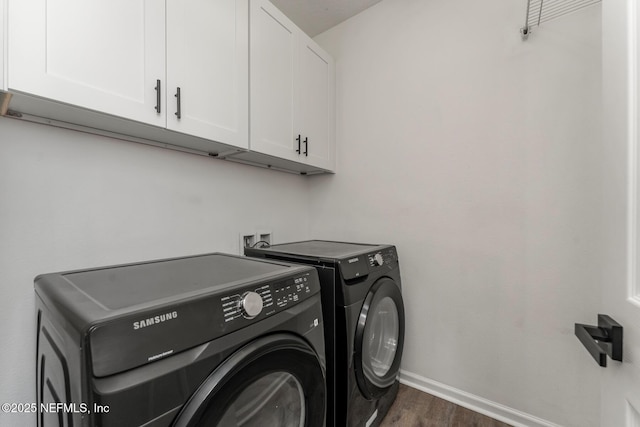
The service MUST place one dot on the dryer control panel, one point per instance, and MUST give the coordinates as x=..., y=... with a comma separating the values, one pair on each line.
x=247, y=304
x=291, y=291
x=153, y=335
x=266, y=300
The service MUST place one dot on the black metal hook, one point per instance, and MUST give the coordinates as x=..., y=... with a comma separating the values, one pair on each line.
x=602, y=340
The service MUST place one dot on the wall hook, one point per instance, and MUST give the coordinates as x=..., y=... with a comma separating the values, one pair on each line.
x=602, y=340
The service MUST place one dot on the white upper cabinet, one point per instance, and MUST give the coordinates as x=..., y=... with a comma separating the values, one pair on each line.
x=314, y=112
x=274, y=52
x=105, y=56
x=207, y=64
x=292, y=90
x=109, y=56
x=231, y=79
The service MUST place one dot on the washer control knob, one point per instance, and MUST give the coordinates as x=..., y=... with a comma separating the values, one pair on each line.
x=251, y=304
x=378, y=259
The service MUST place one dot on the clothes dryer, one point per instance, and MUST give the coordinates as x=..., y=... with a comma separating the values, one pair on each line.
x=364, y=323
x=209, y=340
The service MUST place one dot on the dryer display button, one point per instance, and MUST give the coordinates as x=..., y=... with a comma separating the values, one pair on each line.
x=251, y=304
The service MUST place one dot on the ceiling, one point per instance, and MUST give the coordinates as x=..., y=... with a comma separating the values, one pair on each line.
x=317, y=16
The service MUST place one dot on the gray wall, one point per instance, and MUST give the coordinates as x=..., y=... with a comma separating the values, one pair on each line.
x=479, y=155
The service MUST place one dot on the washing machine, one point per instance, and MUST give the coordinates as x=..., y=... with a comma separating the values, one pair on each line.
x=364, y=323
x=207, y=340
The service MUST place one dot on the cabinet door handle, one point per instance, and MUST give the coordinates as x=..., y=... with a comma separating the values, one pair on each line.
x=298, y=139
x=178, y=113
x=158, y=95
x=306, y=146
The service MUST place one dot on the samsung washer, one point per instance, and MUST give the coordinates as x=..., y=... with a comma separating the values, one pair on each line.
x=210, y=340
x=364, y=323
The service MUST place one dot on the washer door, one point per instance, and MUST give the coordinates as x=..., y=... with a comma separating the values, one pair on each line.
x=379, y=339
x=276, y=380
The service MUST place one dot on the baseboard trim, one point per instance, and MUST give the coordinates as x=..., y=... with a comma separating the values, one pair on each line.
x=475, y=403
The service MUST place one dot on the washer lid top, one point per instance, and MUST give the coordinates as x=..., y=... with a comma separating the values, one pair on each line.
x=124, y=286
x=325, y=249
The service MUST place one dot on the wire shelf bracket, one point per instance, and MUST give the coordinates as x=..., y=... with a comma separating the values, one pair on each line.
x=539, y=11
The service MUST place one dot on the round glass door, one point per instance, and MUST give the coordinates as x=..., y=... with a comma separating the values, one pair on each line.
x=380, y=341
x=276, y=380
x=379, y=338
x=277, y=399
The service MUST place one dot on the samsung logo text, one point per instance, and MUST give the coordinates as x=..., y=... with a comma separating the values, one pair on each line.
x=155, y=320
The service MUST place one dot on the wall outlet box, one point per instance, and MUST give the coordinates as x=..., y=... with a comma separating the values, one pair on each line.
x=265, y=238
x=255, y=239
x=247, y=240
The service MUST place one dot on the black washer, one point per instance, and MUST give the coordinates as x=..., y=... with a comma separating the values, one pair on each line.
x=364, y=323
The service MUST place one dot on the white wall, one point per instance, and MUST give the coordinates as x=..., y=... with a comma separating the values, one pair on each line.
x=70, y=200
x=478, y=155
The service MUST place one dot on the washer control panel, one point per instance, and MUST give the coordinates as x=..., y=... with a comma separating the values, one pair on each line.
x=267, y=299
x=383, y=257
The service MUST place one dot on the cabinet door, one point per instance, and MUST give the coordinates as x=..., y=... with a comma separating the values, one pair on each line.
x=314, y=110
x=273, y=44
x=207, y=59
x=101, y=55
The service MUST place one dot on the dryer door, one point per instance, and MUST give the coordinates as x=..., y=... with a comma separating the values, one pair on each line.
x=379, y=338
x=276, y=380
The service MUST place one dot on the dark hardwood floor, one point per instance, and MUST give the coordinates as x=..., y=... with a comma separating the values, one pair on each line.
x=414, y=408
